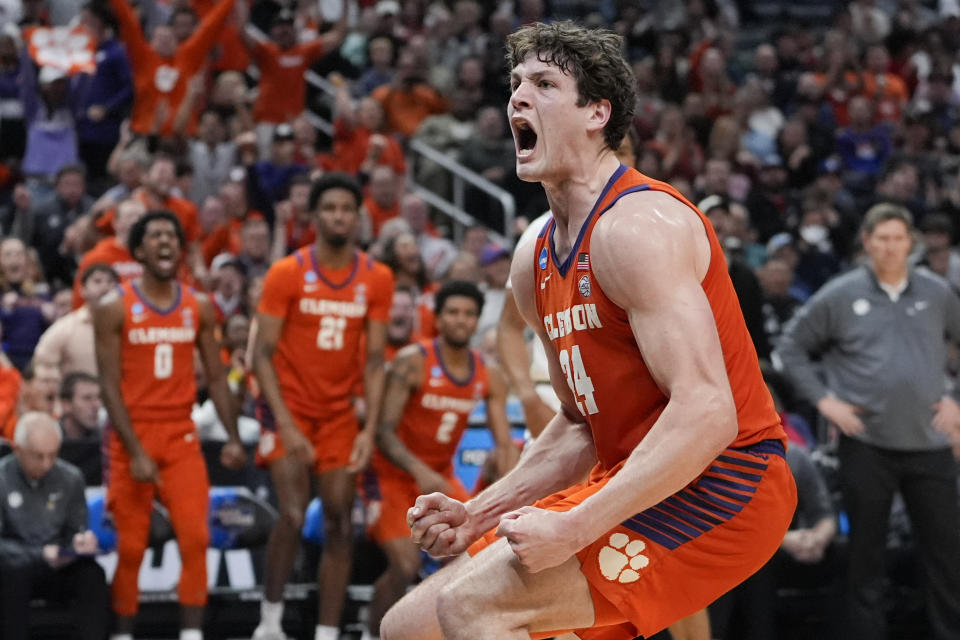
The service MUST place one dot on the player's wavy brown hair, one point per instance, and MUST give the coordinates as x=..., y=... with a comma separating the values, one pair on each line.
x=593, y=57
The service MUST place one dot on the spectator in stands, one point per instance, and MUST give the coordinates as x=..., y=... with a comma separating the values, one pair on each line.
x=51, y=219
x=105, y=95
x=68, y=343
x=887, y=90
x=448, y=133
x=767, y=202
x=938, y=253
x=779, y=301
x=282, y=62
x=225, y=236
x=897, y=423
x=437, y=252
x=254, y=251
x=45, y=546
x=228, y=275
x=408, y=100
x=900, y=183
x=212, y=156
x=267, y=180
x=23, y=314
x=49, y=105
x=381, y=54
x=112, y=251
x=401, y=327
x=162, y=67
x=863, y=146
x=41, y=384
x=360, y=140
x=127, y=165
x=292, y=226
x=80, y=424
x=383, y=198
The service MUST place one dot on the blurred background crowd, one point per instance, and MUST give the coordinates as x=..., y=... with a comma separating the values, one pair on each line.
x=783, y=121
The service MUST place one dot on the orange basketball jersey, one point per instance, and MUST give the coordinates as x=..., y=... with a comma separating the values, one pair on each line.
x=436, y=414
x=157, y=355
x=318, y=359
x=599, y=355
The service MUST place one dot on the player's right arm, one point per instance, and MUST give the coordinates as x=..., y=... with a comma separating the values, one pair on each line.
x=404, y=378
x=515, y=360
x=562, y=454
x=108, y=318
x=269, y=329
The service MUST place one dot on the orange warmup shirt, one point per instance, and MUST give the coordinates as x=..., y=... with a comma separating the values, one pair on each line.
x=283, y=90
x=160, y=83
x=379, y=215
x=405, y=110
x=318, y=358
x=350, y=148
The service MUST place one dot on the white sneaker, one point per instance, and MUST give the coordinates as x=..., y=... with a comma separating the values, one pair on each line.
x=268, y=633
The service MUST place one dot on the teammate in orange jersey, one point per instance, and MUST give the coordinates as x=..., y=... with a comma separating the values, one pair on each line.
x=660, y=388
x=317, y=305
x=145, y=335
x=432, y=388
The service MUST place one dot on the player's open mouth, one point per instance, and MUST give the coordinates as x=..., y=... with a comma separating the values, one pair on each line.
x=525, y=136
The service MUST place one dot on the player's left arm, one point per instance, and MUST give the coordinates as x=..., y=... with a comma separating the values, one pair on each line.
x=649, y=254
x=232, y=455
x=505, y=451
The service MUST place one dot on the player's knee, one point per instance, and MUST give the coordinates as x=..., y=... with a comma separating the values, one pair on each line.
x=337, y=524
x=402, y=622
x=193, y=543
x=292, y=517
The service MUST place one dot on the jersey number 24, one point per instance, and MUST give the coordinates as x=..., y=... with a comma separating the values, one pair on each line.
x=577, y=379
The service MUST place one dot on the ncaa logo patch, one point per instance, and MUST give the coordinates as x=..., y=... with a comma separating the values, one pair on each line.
x=138, y=310
x=584, y=286
x=310, y=276
x=542, y=261
x=436, y=371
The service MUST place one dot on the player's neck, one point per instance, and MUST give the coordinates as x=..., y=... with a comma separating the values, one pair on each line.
x=333, y=257
x=159, y=292
x=572, y=198
x=456, y=359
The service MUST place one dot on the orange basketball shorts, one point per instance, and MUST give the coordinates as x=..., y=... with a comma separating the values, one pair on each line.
x=332, y=437
x=677, y=557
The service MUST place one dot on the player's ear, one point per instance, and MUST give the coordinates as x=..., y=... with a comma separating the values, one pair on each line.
x=599, y=114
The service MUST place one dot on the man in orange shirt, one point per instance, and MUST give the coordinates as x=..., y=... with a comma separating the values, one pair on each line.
x=318, y=304
x=162, y=69
x=408, y=100
x=145, y=337
x=383, y=201
x=112, y=250
x=282, y=62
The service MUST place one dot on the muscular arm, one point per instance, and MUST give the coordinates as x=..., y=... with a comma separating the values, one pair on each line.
x=404, y=378
x=108, y=336
x=505, y=451
x=650, y=253
x=216, y=376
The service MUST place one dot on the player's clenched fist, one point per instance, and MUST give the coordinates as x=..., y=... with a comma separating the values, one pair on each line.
x=440, y=525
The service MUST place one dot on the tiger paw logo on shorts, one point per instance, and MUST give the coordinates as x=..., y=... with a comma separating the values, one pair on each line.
x=621, y=559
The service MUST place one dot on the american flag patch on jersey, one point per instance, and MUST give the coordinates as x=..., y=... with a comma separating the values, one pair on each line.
x=583, y=262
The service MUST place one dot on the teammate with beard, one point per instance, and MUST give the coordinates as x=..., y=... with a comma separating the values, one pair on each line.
x=318, y=304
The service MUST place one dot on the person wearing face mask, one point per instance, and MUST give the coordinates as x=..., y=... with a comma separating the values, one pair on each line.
x=879, y=333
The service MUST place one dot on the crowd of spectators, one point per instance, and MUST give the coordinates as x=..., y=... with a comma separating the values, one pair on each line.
x=783, y=131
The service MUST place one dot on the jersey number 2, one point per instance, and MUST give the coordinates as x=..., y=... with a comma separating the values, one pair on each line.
x=448, y=422
x=163, y=361
x=578, y=380
x=330, y=336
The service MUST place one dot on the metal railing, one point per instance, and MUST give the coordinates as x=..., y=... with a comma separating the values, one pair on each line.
x=460, y=176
